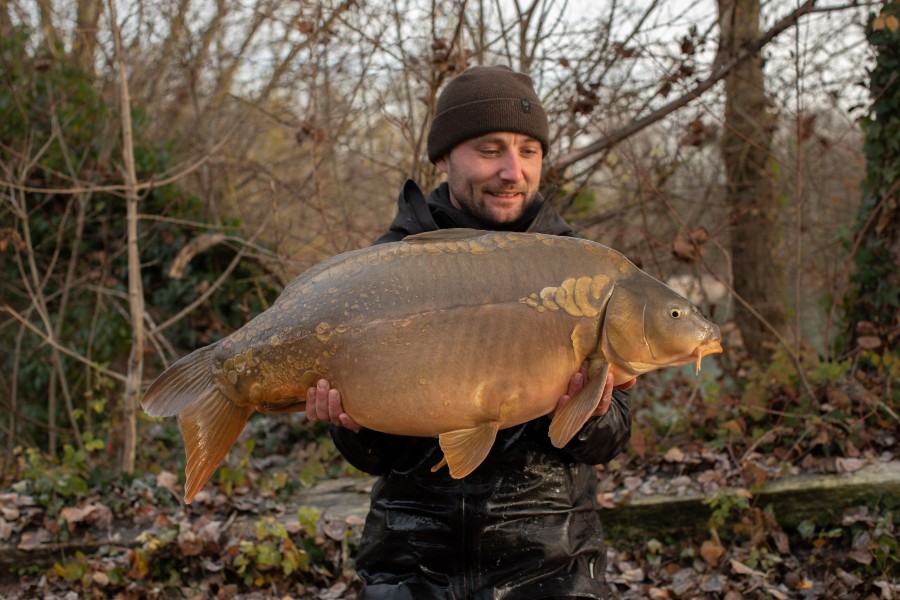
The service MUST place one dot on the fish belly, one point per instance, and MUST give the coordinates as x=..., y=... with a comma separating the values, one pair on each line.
x=454, y=369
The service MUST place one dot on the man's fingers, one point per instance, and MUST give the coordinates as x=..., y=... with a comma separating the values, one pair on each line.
x=334, y=406
x=348, y=422
x=321, y=408
x=575, y=384
x=311, y=405
x=606, y=398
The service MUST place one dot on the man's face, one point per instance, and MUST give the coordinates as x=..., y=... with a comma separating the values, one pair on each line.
x=494, y=177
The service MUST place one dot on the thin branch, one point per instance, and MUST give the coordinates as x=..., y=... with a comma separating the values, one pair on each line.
x=140, y=187
x=135, y=286
x=613, y=138
x=47, y=339
x=215, y=285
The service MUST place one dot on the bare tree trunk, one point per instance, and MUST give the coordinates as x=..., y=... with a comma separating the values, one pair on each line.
x=135, y=287
x=5, y=20
x=746, y=152
x=85, y=43
x=51, y=35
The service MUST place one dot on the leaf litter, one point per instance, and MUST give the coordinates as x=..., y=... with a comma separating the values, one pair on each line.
x=245, y=536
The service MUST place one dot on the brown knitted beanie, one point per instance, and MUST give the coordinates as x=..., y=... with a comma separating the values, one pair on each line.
x=482, y=100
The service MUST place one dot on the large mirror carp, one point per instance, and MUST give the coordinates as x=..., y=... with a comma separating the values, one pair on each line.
x=454, y=334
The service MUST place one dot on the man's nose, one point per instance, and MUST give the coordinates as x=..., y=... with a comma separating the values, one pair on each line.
x=511, y=168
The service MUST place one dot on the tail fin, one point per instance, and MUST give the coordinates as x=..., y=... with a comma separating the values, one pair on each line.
x=210, y=422
x=209, y=426
x=180, y=385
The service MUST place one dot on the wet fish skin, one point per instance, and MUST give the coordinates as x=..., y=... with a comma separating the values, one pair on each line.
x=454, y=334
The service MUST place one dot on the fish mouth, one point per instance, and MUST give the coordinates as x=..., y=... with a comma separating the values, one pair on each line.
x=705, y=348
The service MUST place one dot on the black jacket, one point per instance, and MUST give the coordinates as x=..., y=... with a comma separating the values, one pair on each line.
x=523, y=525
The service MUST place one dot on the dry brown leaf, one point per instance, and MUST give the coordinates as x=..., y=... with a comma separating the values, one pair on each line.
x=188, y=542
x=162, y=521
x=743, y=493
x=857, y=514
x=336, y=530
x=849, y=465
x=684, y=250
x=776, y=593
x=638, y=442
x=712, y=583
x=632, y=483
x=711, y=551
x=782, y=542
x=674, y=454
x=605, y=500
x=211, y=533
x=861, y=555
x=734, y=426
x=145, y=514
x=804, y=584
x=94, y=513
x=753, y=474
x=838, y=398
x=742, y=569
x=6, y=529
x=892, y=23
x=851, y=450
x=140, y=566
x=33, y=539
x=167, y=480
x=868, y=342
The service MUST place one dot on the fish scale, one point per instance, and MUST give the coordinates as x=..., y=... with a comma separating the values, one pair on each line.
x=454, y=334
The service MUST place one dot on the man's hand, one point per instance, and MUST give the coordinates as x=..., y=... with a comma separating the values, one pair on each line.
x=323, y=403
x=577, y=382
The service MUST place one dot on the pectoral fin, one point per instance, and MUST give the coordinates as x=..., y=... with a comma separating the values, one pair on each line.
x=465, y=449
x=572, y=417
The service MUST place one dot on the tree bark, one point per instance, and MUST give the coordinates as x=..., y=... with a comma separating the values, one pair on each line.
x=6, y=26
x=753, y=210
x=873, y=301
x=51, y=35
x=84, y=45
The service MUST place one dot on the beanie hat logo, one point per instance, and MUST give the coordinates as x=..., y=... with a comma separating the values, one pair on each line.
x=483, y=100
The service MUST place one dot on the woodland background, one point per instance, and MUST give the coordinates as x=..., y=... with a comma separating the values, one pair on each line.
x=167, y=166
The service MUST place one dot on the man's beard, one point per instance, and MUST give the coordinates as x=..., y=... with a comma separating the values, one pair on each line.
x=482, y=209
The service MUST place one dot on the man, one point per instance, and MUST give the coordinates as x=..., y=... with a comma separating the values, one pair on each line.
x=524, y=524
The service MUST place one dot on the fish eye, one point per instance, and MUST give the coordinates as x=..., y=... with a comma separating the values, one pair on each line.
x=675, y=312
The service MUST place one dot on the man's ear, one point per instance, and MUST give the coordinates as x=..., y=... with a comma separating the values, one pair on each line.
x=443, y=164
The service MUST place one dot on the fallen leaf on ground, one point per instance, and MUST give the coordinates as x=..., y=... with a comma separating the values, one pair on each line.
x=711, y=551
x=742, y=569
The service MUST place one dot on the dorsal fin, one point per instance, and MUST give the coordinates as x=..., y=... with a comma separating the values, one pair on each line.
x=445, y=235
